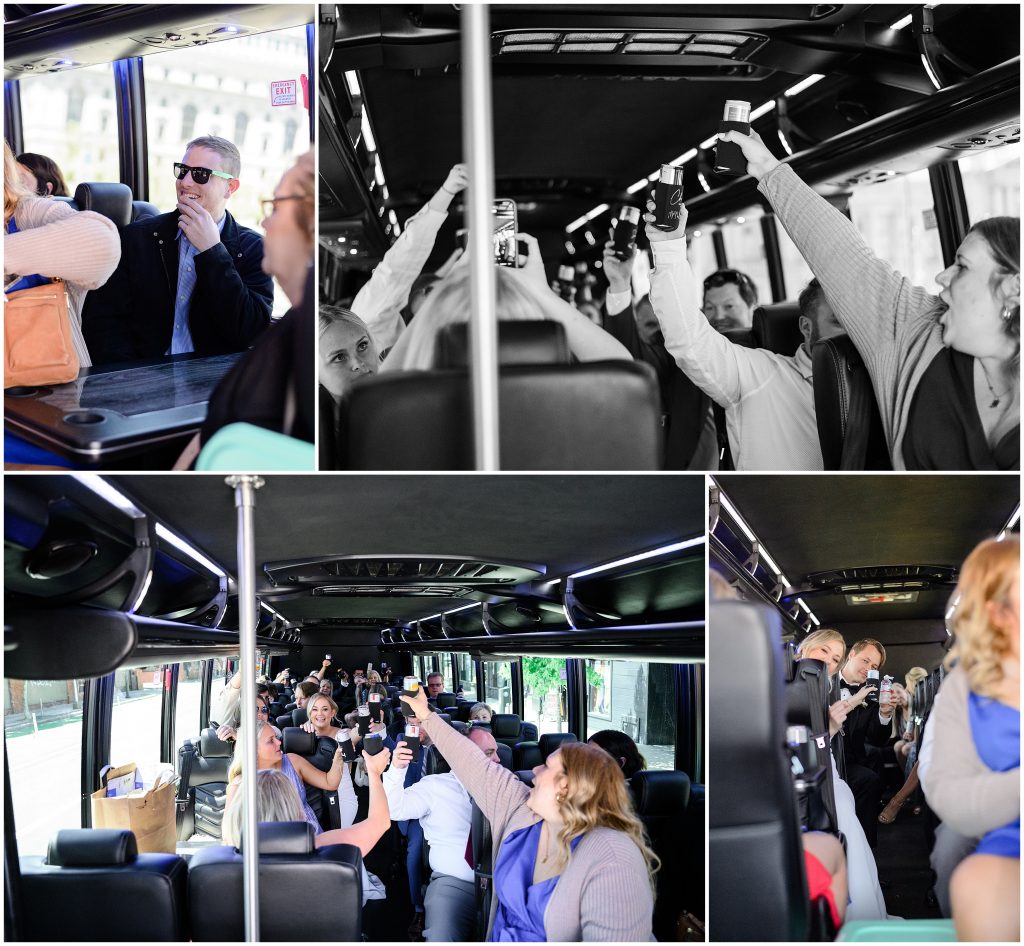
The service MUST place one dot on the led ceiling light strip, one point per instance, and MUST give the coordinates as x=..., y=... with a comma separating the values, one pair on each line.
x=663, y=550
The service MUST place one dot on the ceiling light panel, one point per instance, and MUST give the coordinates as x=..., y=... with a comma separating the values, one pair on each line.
x=593, y=37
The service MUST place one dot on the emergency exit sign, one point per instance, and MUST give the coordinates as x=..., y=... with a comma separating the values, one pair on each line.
x=284, y=92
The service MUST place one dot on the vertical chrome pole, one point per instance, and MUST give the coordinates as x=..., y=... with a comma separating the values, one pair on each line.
x=245, y=494
x=478, y=147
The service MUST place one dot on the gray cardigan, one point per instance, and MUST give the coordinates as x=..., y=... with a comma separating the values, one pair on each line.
x=893, y=323
x=964, y=792
x=602, y=895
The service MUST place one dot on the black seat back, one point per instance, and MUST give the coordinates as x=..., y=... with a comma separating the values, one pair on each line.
x=594, y=416
x=661, y=799
x=849, y=424
x=319, y=752
x=757, y=886
x=70, y=895
x=777, y=327
x=806, y=696
x=292, y=871
x=507, y=728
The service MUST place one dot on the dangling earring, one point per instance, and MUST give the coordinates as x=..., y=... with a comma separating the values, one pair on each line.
x=1007, y=312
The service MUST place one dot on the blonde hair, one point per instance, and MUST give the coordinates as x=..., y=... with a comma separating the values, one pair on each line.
x=242, y=748
x=719, y=587
x=320, y=696
x=986, y=577
x=276, y=800
x=477, y=707
x=914, y=676
x=14, y=187
x=517, y=300
x=825, y=635
x=596, y=796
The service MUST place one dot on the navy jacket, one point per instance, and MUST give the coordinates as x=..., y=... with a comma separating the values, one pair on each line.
x=132, y=316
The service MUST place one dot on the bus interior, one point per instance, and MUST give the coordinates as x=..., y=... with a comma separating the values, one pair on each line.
x=873, y=557
x=113, y=93
x=906, y=116
x=568, y=605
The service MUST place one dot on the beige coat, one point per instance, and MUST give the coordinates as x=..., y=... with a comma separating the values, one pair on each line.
x=53, y=239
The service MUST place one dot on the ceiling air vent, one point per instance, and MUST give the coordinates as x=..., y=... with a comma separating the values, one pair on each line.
x=395, y=570
x=1003, y=135
x=732, y=45
x=435, y=591
x=887, y=578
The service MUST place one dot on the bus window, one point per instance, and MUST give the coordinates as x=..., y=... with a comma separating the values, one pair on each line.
x=221, y=675
x=186, y=704
x=191, y=93
x=72, y=118
x=467, y=675
x=636, y=698
x=897, y=220
x=700, y=252
x=498, y=685
x=744, y=250
x=135, y=726
x=992, y=182
x=43, y=741
x=795, y=270
x=544, y=696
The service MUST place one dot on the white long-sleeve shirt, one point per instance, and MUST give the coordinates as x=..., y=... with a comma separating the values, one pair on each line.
x=444, y=811
x=380, y=301
x=768, y=398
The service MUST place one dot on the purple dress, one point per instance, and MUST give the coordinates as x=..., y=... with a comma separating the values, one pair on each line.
x=300, y=787
x=521, y=902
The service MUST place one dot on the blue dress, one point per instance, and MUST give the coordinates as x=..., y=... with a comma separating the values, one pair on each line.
x=521, y=903
x=300, y=787
x=995, y=728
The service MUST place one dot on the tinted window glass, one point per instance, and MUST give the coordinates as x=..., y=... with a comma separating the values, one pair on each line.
x=992, y=182
x=498, y=685
x=544, y=696
x=636, y=698
x=43, y=737
x=135, y=726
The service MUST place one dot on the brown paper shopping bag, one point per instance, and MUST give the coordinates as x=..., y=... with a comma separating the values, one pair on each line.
x=149, y=815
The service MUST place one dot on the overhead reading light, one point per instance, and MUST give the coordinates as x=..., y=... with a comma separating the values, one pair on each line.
x=368, y=139
x=638, y=186
x=664, y=550
x=142, y=593
x=683, y=158
x=597, y=211
x=179, y=543
x=762, y=110
x=98, y=485
x=785, y=144
x=902, y=22
x=353, y=84
x=576, y=224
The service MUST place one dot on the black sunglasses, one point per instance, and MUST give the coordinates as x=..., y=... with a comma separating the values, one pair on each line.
x=726, y=276
x=199, y=175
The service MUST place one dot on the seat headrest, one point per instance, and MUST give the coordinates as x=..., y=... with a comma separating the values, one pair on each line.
x=777, y=328
x=505, y=755
x=660, y=793
x=550, y=741
x=505, y=725
x=445, y=716
x=519, y=343
x=445, y=700
x=210, y=747
x=459, y=726
x=114, y=201
x=285, y=837
x=298, y=741
x=142, y=209
x=92, y=847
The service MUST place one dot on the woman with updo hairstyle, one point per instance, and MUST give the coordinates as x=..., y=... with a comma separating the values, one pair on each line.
x=621, y=748
x=972, y=781
x=866, y=901
x=571, y=858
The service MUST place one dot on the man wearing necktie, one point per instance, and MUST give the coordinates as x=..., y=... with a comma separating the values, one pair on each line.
x=444, y=810
x=867, y=724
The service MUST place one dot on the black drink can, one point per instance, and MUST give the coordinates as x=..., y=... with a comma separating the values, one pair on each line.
x=373, y=743
x=412, y=739
x=668, y=198
x=729, y=158
x=625, y=231
x=376, y=707
x=348, y=751
x=411, y=688
x=363, y=717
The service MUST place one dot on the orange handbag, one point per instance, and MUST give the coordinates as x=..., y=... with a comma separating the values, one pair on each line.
x=38, y=344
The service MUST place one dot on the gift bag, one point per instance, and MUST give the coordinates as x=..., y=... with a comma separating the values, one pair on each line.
x=148, y=813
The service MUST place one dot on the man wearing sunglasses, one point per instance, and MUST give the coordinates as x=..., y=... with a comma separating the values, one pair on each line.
x=190, y=280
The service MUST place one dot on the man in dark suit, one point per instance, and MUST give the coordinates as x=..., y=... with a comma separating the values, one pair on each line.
x=867, y=724
x=188, y=281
